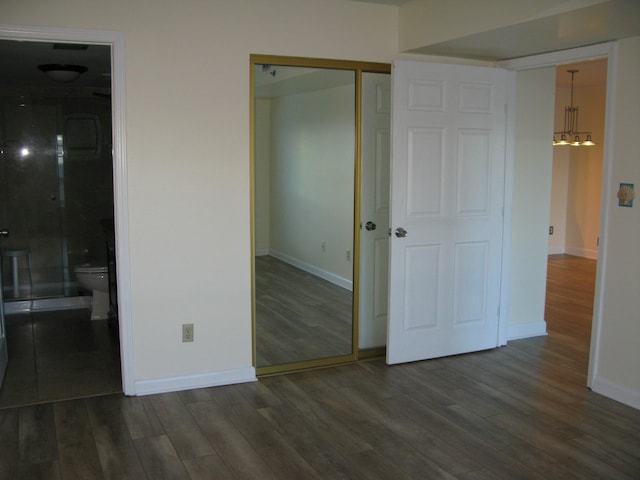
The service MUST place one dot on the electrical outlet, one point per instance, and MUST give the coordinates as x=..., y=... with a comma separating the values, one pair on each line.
x=187, y=332
x=349, y=255
x=551, y=230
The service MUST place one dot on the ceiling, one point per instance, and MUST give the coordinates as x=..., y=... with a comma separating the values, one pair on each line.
x=23, y=58
x=602, y=21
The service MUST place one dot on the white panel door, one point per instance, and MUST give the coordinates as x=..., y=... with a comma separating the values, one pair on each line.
x=447, y=169
x=374, y=209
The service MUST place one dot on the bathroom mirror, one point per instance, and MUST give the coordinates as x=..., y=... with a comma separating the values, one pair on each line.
x=305, y=116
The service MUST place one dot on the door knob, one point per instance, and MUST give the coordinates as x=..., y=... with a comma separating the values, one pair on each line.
x=4, y=232
x=401, y=232
x=370, y=226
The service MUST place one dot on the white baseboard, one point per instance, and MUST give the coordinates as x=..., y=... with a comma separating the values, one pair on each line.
x=556, y=250
x=190, y=382
x=262, y=252
x=582, y=252
x=526, y=330
x=312, y=269
x=616, y=392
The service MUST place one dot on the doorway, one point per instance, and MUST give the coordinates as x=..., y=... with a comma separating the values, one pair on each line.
x=114, y=42
x=64, y=132
x=576, y=199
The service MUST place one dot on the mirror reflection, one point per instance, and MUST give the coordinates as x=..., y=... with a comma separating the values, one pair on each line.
x=304, y=163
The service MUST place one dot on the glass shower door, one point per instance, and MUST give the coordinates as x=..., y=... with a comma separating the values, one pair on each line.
x=4, y=355
x=30, y=203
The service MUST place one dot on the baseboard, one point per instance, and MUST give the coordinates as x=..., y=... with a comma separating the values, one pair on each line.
x=190, y=382
x=622, y=394
x=581, y=252
x=262, y=252
x=312, y=269
x=556, y=250
x=526, y=330
x=368, y=353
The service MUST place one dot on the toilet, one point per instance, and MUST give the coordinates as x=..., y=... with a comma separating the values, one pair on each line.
x=96, y=279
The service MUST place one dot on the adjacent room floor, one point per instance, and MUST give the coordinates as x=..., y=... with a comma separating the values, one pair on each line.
x=59, y=355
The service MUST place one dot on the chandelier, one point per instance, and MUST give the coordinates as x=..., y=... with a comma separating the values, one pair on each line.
x=570, y=135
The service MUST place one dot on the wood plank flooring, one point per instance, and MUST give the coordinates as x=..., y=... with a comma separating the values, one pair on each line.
x=299, y=316
x=520, y=411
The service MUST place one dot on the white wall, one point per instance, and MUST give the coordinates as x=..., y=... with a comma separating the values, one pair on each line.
x=585, y=177
x=262, y=170
x=188, y=152
x=615, y=365
x=531, y=201
x=312, y=180
x=558, y=213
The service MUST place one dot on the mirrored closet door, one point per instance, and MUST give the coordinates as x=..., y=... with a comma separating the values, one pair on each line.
x=305, y=118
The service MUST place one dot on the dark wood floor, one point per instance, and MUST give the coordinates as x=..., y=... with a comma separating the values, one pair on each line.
x=520, y=411
x=299, y=316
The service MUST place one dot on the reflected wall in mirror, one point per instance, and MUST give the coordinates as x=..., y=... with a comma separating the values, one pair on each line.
x=304, y=177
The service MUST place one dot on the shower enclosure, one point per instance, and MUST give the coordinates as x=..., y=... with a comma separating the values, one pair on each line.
x=56, y=187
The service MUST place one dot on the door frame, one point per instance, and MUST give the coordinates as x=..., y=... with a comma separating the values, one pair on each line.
x=116, y=40
x=358, y=67
x=592, y=52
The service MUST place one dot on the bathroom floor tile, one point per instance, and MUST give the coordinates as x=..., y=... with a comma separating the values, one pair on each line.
x=59, y=355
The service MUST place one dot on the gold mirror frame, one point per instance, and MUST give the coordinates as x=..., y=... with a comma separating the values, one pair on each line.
x=358, y=68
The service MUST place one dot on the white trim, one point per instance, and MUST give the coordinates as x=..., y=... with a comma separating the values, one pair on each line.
x=602, y=50
x=204, y=380
x=116, y=40
x=607, y=175
x=262, y=252
x=507, y=212
x=552, y=59
x=556, y=250
x=617, y=392
x=527, y=330
x=313, y=270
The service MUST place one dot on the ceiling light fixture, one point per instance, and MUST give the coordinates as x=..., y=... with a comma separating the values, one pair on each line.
x=570, y=135
x=61, y=72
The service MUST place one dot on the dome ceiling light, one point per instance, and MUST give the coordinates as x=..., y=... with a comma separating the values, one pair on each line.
x=61, y=72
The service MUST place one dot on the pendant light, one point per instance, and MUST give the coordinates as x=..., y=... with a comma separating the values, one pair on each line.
x=570, y=135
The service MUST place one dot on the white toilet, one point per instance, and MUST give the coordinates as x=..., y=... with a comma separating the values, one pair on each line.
x=95, y=278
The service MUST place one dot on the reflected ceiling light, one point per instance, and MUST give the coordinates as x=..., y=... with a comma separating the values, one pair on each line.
x=571, y=130
x=269, y=69
x=61, y=72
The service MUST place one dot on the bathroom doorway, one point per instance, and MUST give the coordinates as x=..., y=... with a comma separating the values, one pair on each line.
x=57, y=202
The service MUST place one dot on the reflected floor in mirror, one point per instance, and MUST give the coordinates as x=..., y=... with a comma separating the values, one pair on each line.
x=299, y=316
